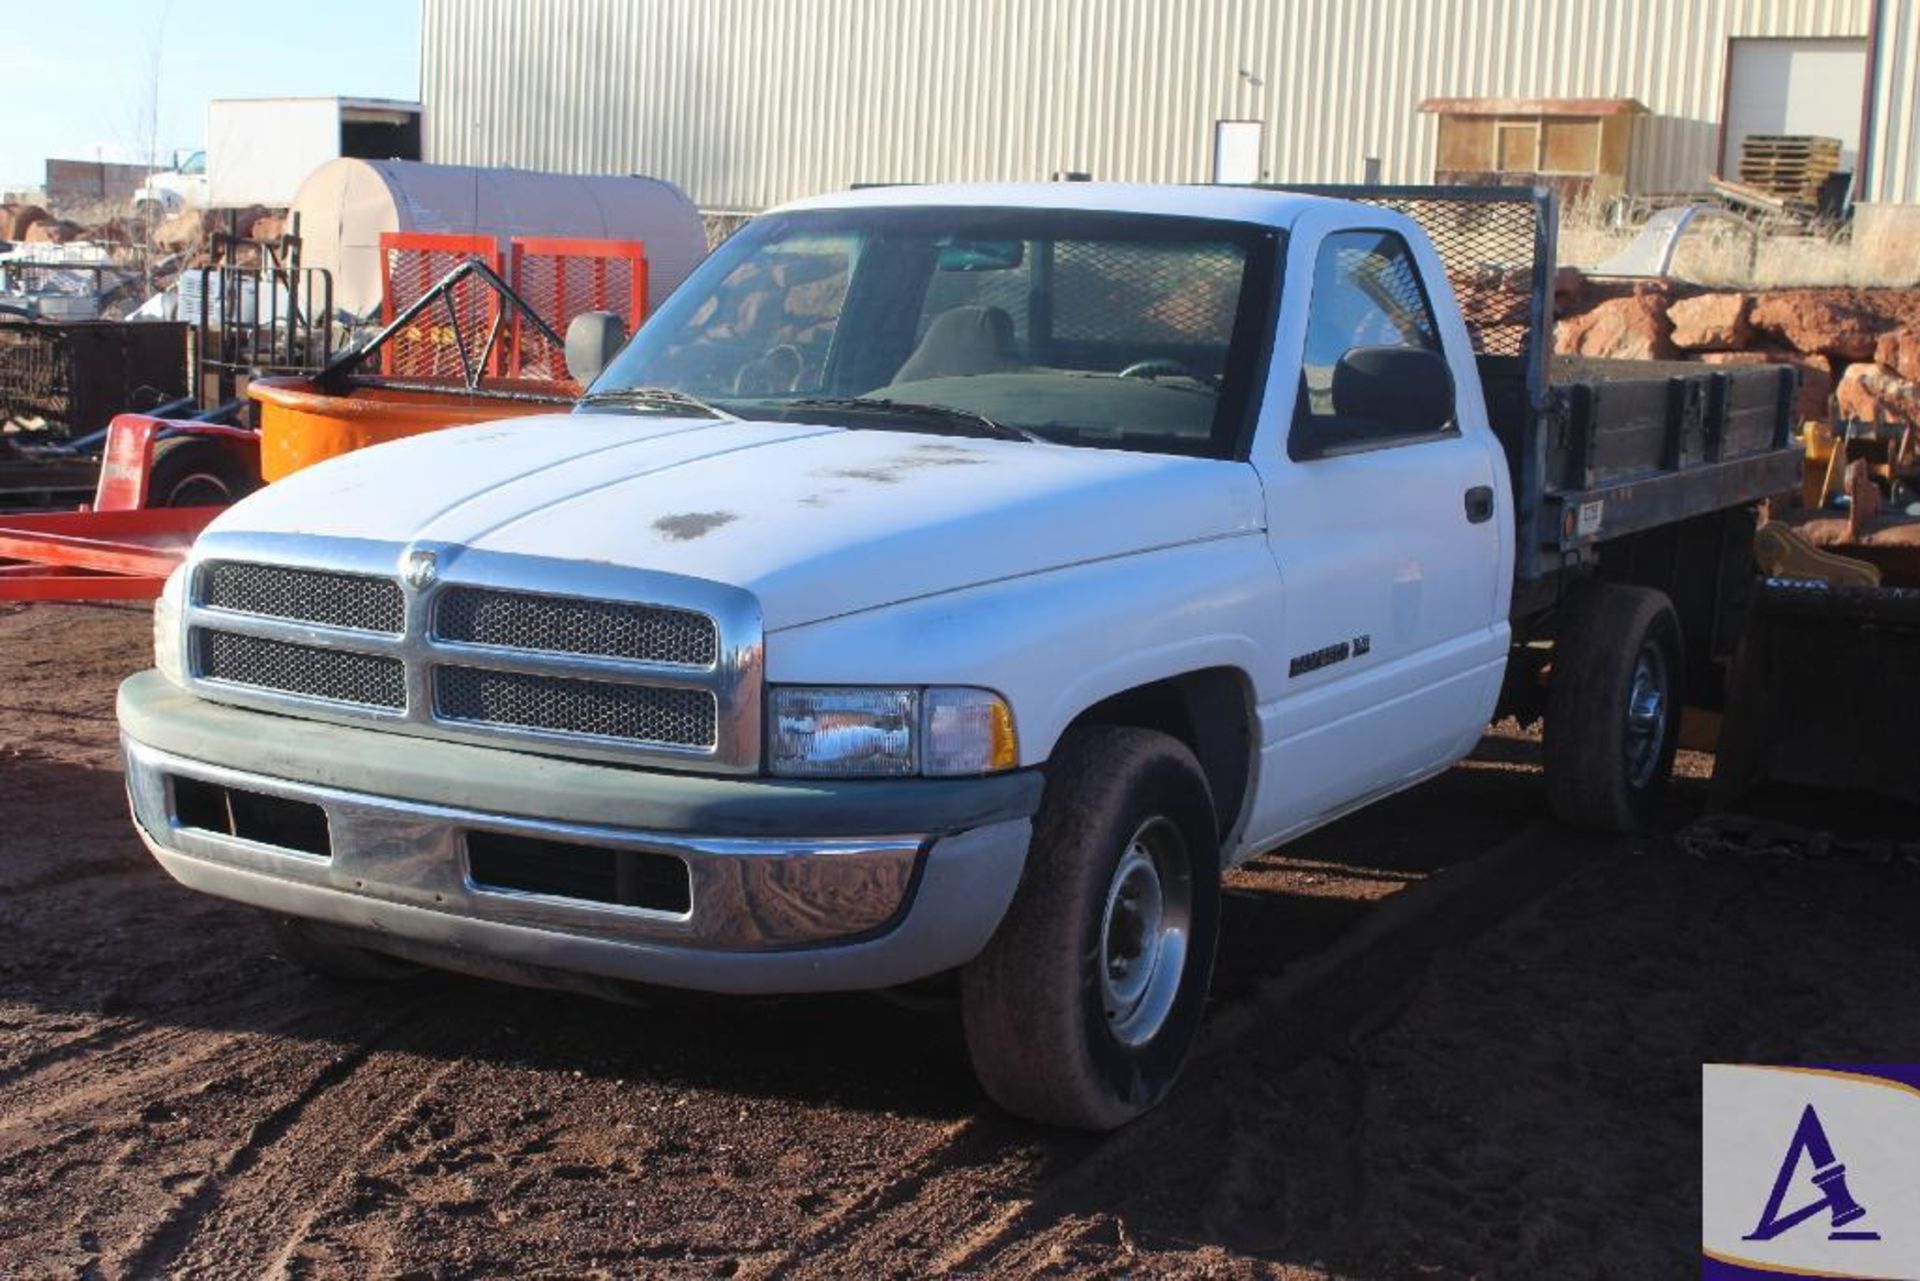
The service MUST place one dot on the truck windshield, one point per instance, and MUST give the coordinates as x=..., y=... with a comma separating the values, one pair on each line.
x=1127, y=331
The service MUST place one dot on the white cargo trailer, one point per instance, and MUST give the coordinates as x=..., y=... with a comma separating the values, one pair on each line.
x=260, y=149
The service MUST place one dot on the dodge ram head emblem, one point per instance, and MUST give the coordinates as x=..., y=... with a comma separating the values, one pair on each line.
x=420, y=570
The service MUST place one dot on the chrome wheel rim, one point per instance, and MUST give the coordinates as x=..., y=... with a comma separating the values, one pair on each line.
x=1648, y=707
x=1144, y=932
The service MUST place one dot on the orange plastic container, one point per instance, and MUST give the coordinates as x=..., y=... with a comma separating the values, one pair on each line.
x=300, y=425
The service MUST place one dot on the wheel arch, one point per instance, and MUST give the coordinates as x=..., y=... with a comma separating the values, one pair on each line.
x=1211, y=710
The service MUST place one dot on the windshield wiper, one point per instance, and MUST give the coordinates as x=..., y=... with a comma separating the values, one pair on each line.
x=979, y=423
x=655, y=398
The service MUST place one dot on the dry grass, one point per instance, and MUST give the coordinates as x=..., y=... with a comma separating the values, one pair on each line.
x=1713, y=253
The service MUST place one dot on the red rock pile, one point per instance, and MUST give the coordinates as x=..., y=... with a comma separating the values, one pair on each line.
x=17, y=220
x=1858, y=350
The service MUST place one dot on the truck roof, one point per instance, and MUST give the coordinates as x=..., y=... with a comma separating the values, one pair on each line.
x=1235, y=204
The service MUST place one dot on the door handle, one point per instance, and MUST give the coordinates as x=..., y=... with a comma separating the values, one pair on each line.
x=1480, y=504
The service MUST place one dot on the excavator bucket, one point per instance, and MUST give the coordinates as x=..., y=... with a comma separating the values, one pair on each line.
x=1825, y=689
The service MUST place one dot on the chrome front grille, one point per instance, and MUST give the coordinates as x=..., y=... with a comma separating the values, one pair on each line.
x=309, y=671
x=583, y=659
x=561, y=704
x=563, y=625
x=355, y=601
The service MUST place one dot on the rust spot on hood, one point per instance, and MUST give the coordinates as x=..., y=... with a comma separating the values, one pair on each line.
x=686, y=526
x=891, y=471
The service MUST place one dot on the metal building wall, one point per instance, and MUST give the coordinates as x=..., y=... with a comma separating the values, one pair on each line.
x=745, y=103
x=1893, y=161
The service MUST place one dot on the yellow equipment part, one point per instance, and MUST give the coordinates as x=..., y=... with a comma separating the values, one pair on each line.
x=1827, y=456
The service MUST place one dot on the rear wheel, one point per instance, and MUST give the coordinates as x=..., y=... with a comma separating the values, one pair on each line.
x=310, y=947
x=1082, y=1008
x=1613, y=707
x=195, y=471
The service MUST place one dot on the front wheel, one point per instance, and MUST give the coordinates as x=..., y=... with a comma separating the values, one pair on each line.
x=1613, y=707
x=1082, y=1008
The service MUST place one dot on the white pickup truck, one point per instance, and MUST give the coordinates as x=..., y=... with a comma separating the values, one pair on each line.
x=956, y=579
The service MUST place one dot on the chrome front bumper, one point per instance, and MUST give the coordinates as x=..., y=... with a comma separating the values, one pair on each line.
x=767, y=914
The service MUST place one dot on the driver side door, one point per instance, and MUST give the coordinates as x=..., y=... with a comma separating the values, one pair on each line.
x=1388, y=520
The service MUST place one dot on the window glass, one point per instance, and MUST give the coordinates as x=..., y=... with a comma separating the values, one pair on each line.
x=1077, y=327
x=1180, y=293
x=1366, y=294
x=1008, y=289
x=766, y=326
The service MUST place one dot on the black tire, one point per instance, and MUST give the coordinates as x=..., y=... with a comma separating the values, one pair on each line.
x=196, y=471
x=308, y=946
x=1602, y=772
x=1034, y=1003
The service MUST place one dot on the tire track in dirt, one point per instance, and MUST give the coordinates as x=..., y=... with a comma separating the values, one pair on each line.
x=92, y=1040
x=71, y=873
x=238, y=1218
x=328, y=1199
x=119, y=1053
x=120, y=1081
x=946, y=1184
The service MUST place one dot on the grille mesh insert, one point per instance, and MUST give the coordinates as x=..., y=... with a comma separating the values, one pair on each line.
x=566, y=625
x=600, y=709
x=307, y=595
x=368, y=680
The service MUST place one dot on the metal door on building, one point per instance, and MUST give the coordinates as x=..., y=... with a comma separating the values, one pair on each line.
x=1783, y=86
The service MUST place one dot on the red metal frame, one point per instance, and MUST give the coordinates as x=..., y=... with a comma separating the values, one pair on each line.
x=126, y=464
x=485, y=248
x=91, y=555
x=120, y=549
x=600, y=253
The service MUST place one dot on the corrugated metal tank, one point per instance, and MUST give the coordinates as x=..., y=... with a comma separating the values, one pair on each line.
x=750, y=102
x=345, y=204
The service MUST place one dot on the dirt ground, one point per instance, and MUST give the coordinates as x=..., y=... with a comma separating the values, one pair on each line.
x=1449, y=1040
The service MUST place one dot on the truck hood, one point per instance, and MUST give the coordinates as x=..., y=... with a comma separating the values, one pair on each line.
x=816, y=521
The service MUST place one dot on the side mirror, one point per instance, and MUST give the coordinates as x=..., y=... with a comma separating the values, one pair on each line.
x=592, y=340
x=1393, y=391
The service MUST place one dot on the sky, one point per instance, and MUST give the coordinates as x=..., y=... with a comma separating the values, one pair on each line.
x=82, y=77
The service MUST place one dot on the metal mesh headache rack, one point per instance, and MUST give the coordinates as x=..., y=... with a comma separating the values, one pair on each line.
x=1497, y=246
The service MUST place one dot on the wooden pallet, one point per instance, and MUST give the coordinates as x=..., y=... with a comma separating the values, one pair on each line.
x=1790, y=166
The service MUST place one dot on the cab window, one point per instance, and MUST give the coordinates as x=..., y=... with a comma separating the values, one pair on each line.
x=1372, y=370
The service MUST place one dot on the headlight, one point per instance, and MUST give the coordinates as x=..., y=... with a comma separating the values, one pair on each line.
x=863, y=732
x=166, y=627
x=843, y=732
